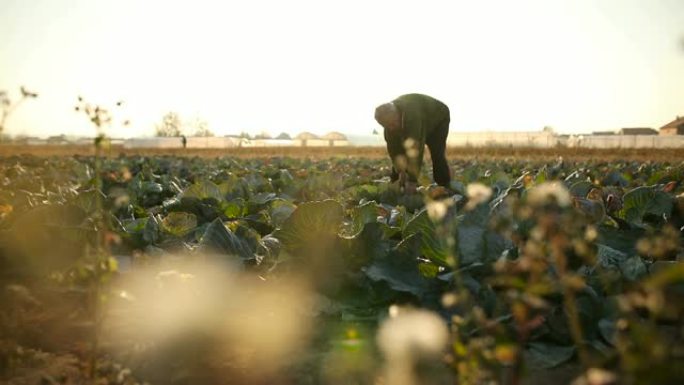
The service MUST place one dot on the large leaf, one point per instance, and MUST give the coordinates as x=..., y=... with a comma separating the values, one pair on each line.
x=619, y=239
x=476, y=242
x=218, y=239
x=232, y=188
x=471, y=245
x=283, y=179
x=179, y=223
x=614, y=178
x=87, y=200
x=257, y=182
x=581, y=188
x=310, y=224
x=362, y=215
x=633, y=268
x=400, y=268
x=262, y=198
x=645, y=200
x=363, y=191
x=149, y=187
x=268, y=250
x=618, y=266
x=235, y=208
x=432, y=247
x=202, y=190
x=368, y=245
x=608, y=330
x=280, y=211
x=543, y=355
x=134, y=226
x=608, y=257
x=151, y=232
x=206, y=210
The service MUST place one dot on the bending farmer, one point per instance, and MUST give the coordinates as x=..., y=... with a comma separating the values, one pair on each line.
x=411, y=121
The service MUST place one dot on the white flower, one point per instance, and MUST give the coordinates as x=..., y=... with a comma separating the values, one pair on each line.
x=407, y=336
x=477, y=193
x=436, y=210
x=412, y=334
x=550, y=192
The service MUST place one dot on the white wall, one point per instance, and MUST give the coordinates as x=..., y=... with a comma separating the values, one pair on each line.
x=153, y=143
x=225, y=142
x=476, y=139
x=211, y=142
x=317, y=143
x=627, y=141
x=502, y=139
x=269, y=143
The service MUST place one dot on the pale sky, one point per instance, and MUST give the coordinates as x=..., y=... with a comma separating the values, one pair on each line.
x=295, y=65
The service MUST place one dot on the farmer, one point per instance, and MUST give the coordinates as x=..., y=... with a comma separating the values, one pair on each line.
x=411, y=121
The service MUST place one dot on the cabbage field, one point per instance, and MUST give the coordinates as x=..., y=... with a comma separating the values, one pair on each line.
x=187, y=270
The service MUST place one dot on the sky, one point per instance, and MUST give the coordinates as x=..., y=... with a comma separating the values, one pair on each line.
x=299, y=65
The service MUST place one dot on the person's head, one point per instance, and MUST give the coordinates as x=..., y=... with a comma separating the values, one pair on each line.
x=388, y=116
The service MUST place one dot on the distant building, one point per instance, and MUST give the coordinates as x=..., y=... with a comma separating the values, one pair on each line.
x=333, y=137
x=263, y=135
x=675, y=127
x=637, y=131
x=58, y=139
x=84, y=141
x=306, y=137
x=35, y=141
x=603, y=133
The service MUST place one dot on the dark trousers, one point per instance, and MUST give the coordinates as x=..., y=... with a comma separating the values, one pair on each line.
x=436, y=143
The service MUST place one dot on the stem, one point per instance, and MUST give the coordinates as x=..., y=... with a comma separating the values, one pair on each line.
x=569, y=303
x=99, y=253
x=95, y=337
x=575, y=326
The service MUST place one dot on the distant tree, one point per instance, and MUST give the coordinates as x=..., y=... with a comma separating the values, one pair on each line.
x=7, y=107
x=284, y=135
x=263, y=135
x=171, y=125
x=548, y=129
x=375, y=132
x=244, y=135
x=201, y=128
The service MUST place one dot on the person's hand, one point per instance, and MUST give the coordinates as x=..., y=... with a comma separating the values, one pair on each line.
x=403, y=177
x=406, y=185
x=410, y=187
x=439, y=192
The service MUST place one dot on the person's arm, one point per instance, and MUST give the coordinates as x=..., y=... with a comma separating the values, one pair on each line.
x=414, y=145
x=395, y=149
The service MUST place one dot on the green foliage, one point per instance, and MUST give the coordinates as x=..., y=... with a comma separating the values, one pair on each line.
x=525, y=278
x=219, y=239
x=400, y=269
x=310, y=223
x=646, y=200
x=431, y=247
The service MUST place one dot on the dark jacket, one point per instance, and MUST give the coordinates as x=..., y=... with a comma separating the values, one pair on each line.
x=422, y=116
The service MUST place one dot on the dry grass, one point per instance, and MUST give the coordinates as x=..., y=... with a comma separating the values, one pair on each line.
x=642, y=155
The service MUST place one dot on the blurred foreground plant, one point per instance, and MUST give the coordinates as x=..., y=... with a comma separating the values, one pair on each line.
x=7, y=106
x=98, y=266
